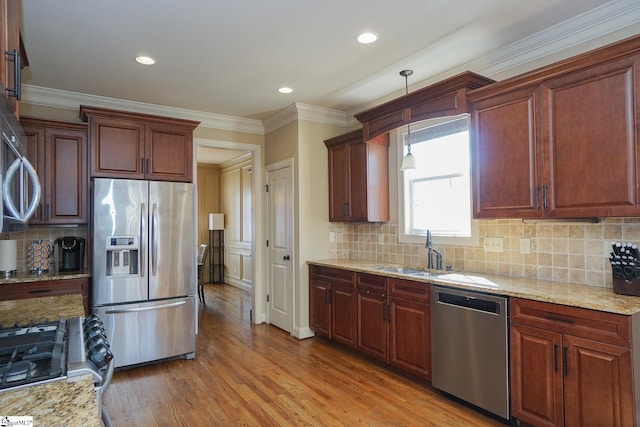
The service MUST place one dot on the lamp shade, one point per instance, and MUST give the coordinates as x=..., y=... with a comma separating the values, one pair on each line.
x=216, y=221
x=408, y=162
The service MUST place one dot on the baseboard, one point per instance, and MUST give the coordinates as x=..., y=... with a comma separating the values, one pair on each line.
x=303, y=333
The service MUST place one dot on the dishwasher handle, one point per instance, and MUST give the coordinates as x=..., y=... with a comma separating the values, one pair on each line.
x=471, y=301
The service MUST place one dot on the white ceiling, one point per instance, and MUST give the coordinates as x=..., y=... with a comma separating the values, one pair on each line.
x=230, y=57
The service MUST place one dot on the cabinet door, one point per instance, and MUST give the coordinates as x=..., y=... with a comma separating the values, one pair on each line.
x=168, y=153
x=117, y=148
x=373, y=327
x=358, y=170
x=320, y=307
x=35, y=144
x=598, y=389
x=339, y=183
x=592, y=141
x=505, y=149
x=410, y=337
x=343, y=315
x=9, y=41
x=66, y=189
x=536, y=376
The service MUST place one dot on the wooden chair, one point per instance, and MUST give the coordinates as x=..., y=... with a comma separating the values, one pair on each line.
x=202, y=259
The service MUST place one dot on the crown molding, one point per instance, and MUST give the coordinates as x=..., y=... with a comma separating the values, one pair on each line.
x=590, y=26
x=56, y=98
x=312, y=113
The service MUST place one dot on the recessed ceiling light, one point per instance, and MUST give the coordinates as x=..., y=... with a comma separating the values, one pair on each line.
x=145, y=60
x=366, y=38
x=285, y=90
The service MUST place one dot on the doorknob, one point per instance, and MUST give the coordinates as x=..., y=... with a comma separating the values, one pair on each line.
x=286, y=257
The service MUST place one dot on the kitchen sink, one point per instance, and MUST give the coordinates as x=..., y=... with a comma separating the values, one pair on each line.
x=408, y=271
x=399, y=270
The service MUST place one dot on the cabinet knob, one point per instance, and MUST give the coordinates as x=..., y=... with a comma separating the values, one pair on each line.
x=286, y=258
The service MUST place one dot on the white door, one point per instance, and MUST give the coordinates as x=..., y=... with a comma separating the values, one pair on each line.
x=280, y=249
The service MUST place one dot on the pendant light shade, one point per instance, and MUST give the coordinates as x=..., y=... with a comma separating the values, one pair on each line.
x=408, y=162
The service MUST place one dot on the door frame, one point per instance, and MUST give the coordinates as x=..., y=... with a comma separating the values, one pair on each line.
x=289, y=164
x=258, y=228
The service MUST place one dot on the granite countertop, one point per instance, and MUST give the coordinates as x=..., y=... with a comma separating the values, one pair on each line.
x=25, y=276
x=583, y=296
x=23, y=311
x=67, y=402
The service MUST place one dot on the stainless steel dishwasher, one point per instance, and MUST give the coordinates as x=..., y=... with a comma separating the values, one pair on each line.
x=470, y=347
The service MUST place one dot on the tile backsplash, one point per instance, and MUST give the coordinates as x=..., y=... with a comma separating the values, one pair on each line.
x=24, y=239
x=571, y=252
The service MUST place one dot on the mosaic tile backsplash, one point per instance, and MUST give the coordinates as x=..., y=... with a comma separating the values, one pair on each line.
x=24, y=239
x=570, y=252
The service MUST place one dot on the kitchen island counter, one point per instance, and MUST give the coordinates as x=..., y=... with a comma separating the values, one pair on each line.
x=574, y=295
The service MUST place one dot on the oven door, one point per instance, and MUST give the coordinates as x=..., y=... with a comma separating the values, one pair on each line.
x=19, y=183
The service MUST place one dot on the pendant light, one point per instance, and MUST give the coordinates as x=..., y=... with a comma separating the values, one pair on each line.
x=408, y=161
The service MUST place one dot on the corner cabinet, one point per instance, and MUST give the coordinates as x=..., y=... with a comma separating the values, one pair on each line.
x=139, y=146
x=570, y=366
x=58, y=152
x=358, y=178
x=566, y=136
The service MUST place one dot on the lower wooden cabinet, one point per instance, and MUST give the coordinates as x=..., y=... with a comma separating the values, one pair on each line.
x=48, y=288
x=332, y=304
x=569, y=366
x=385, y=318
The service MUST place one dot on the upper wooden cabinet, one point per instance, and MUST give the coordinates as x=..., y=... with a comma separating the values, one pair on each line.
x=445, y=98
x=13, y=56
x=139, y=146
x=58, y=152
x=358, y=178
x=562, y=141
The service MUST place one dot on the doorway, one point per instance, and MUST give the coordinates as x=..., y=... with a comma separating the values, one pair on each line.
x=206, y=151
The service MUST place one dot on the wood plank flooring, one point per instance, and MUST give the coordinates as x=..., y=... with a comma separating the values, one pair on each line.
x=258, y=375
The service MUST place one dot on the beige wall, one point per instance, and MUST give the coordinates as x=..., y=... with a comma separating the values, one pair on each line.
x=303, y=141
x=208, y=184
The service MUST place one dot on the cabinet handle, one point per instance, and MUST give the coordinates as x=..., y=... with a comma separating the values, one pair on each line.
x=559, y=319
x=555, y=358
x=41, y=291
x=345, y=209
x=47, y=212
x=545, y=188
x=142, y=165
x=565, y=366
x=14, y=56
x=389, y=313
x=327, y=296
x=147, y=171
x=538, y=198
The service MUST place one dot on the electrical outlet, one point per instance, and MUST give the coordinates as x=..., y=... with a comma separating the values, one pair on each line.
x=493, y=244
x=332, y=236
x=525, y=245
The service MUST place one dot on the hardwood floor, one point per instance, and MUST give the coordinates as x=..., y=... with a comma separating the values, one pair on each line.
x=258, y=375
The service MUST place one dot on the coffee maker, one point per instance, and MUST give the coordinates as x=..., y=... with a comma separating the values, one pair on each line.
x=70, y=253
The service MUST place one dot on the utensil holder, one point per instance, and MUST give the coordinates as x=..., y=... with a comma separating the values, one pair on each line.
x=626, y=287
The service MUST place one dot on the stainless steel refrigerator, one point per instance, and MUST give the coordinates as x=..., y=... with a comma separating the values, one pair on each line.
x=144, y=268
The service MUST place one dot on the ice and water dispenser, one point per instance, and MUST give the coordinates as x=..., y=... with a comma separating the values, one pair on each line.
x=122, y=255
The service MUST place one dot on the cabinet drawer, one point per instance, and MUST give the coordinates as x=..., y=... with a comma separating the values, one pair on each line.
x=333, y=275
x=592, y=324
x=408, y=290
x=371, y=282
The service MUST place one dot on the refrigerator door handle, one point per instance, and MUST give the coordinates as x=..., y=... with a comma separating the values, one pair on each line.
x=154, y=239
x=143, y=238
x=148, y=308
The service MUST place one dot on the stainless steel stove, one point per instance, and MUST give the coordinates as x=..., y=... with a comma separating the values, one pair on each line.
x=53, y=351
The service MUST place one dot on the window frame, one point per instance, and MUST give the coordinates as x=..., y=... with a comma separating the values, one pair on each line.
x=403, y=237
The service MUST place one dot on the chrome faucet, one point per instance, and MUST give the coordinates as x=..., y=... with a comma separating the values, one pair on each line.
x=429, y=246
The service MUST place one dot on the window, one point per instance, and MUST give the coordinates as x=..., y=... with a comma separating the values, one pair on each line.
x=437, y=194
